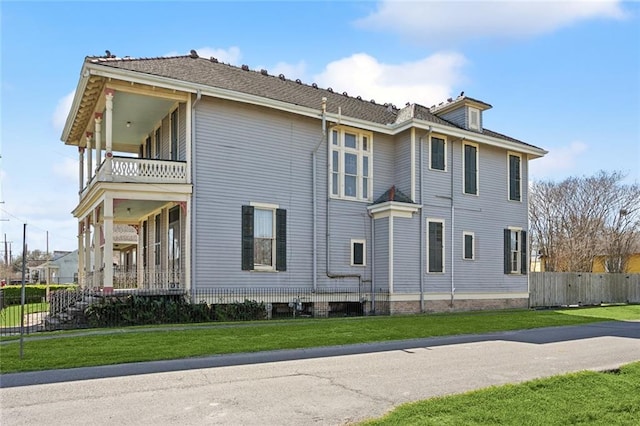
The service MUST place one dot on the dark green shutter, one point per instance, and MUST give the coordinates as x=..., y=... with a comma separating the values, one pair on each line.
x=470, y=177
x=514, y=178
x=524, y=259
x=281, y=240
x=247, y=238
x=507, y=251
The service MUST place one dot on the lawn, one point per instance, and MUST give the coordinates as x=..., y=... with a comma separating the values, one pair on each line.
x=594, y=398
x=115, y=346
x=10, y=316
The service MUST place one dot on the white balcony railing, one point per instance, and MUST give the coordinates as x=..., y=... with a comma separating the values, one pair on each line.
x=125, y=169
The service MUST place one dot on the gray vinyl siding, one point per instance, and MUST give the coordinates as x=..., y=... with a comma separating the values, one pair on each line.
x=381, y=257
x=165, y=135
x=457, y=116
x=402, y=163
x=406, y=254
x=383, y=164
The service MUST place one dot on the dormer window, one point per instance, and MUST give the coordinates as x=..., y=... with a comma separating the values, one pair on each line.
x=474, y=118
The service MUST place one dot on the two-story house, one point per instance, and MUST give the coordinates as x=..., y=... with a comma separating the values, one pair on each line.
x=237, y=178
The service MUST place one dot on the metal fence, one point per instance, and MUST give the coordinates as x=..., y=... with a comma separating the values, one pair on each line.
x=86, y=308
x=548, y=289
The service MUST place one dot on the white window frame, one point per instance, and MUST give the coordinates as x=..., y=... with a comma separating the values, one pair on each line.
x=272, y=208
x=431, y=152
x=518, y=252
x=464, y=168
x=364, y=252
x=473, y=245
x=341, y=149
x=444, y=251
x=474, y=112
x=515, y=154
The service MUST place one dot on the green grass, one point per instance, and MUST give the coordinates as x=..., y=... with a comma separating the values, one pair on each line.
x=583, y=398
x=10, y=316
x=117, y=346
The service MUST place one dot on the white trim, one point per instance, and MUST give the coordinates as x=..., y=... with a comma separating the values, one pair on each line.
x=515, y=154
x=413, y=164
x=411, y=297
x=390, y=255
x=464, y=189
x=393, y=208
x=473, y=245
x=444, y=263
x=360, y=154
x=443, y=138
x=364, y=251
x=264, y=205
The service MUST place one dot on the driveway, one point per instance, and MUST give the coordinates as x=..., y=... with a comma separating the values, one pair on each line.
x=327, y=386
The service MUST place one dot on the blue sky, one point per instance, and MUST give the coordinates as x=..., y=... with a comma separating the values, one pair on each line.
x=564, y=76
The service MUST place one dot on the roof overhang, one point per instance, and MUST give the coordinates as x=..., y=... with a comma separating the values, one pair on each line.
x=393, y=209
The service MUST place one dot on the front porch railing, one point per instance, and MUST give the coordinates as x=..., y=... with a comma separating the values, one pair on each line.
x=131, y=279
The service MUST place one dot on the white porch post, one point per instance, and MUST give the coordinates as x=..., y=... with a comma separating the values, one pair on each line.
x=98, y=132
x=97, y=259
x=140, y=258
x=80, y=168
x=89, y=135
x=108, y=244
x=81, y=231
x=187, y=246
x=109, y=93
x=87, y=250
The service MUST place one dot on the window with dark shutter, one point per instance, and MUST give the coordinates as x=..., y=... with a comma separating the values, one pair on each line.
x=507, y=251
x=247, y=238
x=514, y=178
x=515, y=252
x=435, y=247
x=281, y=240
x=358, y=253
x=468, y=246
x=174, y=135
x=437, y=154
x=470, y=169
x=523, y=252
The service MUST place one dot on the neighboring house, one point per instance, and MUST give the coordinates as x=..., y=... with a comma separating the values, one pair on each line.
x=61, y=269
x=633, y=264
x=237, y=178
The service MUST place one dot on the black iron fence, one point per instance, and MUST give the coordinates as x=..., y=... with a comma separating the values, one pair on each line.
x=86, y=308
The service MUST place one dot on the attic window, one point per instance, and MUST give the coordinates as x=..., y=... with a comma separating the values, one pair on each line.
x=474, y=118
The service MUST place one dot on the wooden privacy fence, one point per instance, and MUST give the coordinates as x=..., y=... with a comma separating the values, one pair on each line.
x=571, y=288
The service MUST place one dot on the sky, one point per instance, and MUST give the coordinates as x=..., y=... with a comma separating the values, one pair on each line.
x=564, y=76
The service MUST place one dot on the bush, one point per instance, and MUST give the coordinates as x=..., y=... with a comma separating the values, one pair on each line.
x=34, y=293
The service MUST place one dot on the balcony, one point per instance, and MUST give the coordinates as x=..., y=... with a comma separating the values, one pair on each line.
x=139, y=170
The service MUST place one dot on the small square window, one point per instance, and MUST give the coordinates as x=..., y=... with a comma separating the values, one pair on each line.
x=358, y=253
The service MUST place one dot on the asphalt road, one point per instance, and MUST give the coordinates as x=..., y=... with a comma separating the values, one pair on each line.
x=327, y=386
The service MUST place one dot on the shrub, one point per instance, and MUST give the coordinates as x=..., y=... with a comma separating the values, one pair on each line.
x=34, y=293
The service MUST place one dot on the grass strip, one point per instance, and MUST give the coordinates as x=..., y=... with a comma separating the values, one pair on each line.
x=594, y=398
x=121, y=346
x=10, y=316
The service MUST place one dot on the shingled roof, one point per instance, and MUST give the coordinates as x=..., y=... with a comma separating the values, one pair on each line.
x=210, y=72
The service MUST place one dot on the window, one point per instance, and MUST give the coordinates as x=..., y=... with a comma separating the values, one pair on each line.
x=156, y=245
x=515, y=177
x=147, y=147
x=173, y=245
x=174, y=135
x=435, y=246
x=474, y=118
x=350, y=165
x=468, y=246
x=515, y=251
x=158, y=144
x=264, y=238
x=438, y=158
x=358, y=253
x=470, y=165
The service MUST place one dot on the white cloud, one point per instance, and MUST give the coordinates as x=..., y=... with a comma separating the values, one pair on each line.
x=62, y=111
x=426, y=81
x=437, y=22
x=558, y=162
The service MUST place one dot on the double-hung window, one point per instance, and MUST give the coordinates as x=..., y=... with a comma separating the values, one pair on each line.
x=515, y=251
x=468, y=246
x=438, y=157
x=264, y=238
x=515, y=177
x=358, y=253
x=470, y=167
x=350, y=164
x=435, y=245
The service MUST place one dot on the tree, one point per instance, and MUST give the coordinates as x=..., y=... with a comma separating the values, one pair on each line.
x=575, y=220
x=31, y=255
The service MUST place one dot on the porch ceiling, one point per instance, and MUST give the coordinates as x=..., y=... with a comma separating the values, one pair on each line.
x=132, y=211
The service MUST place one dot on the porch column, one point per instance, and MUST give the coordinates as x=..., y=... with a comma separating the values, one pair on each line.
x=139, y=257
x=108, y=245
x=89, y=135
x=109, y=93
x=87, y=250
x=98, y=130
x=187, y=247
x=97, y=259
x=81, y=278
x=80, y=168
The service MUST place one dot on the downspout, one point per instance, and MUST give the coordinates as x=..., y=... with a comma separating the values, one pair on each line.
x=194, y=235
x=373, y=256
x=314, y=249
x=422, y=218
